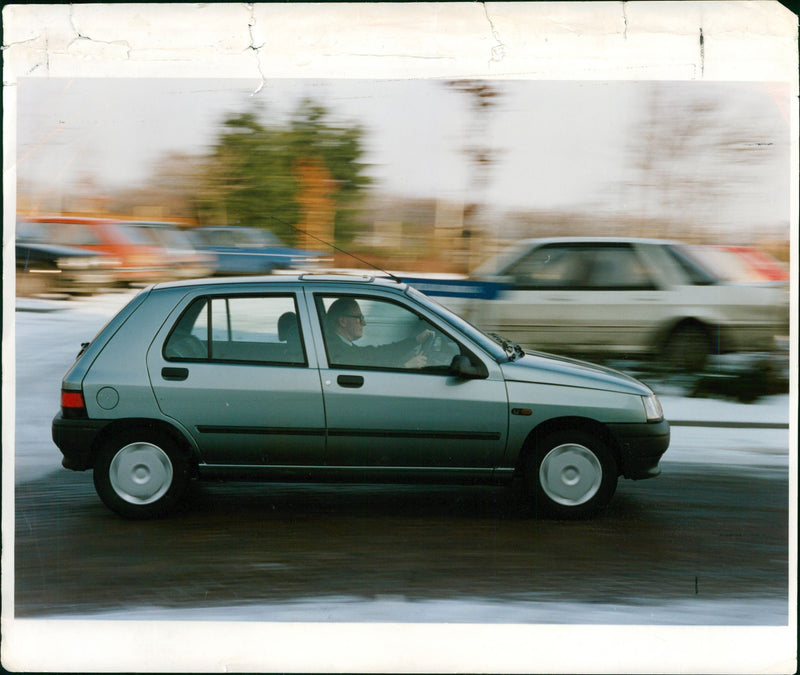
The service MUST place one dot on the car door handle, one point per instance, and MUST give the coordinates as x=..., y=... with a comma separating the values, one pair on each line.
x=351, y=381
x=174, y=373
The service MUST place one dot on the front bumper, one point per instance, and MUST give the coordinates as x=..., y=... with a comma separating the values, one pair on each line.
x=76, y=439
x=641, y=447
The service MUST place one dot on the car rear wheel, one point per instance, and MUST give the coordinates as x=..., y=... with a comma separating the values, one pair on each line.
x=571, y=474
x=687, y=348
x=141, y=474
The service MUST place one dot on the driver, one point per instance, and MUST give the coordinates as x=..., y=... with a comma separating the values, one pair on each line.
x=345, y=325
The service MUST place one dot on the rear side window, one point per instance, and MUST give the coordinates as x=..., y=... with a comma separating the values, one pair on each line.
x=239, y=329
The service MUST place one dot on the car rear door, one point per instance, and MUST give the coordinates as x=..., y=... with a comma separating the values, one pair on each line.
x=234, y=370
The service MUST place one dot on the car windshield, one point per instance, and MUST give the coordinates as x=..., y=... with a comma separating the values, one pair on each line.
x=497, y=346
x=498, y=263
x=258, y=237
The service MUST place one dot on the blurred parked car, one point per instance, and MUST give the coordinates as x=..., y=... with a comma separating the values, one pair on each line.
x=186, y=262
x=139, y=260
x=250, y=250
x=621, y=297
x=49, y=268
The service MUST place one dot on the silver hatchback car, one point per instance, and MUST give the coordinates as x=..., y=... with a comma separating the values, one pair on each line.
x=340, y=378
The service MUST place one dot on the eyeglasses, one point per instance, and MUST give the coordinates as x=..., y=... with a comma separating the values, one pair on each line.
x=360, y=317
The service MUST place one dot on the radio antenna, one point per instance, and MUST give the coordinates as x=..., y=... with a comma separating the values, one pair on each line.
x=336, y=248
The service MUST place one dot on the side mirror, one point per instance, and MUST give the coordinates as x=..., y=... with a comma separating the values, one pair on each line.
x=462, y=367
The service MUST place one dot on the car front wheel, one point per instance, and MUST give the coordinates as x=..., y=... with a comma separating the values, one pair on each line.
x=571, y=474
x=140, y=474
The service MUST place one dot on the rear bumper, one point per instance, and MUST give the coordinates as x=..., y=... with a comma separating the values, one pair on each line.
x=641, y=447
x=75, y=439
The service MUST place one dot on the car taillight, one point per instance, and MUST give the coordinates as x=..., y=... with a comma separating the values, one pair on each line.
x=72, y=405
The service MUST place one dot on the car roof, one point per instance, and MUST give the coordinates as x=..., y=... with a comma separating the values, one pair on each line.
x=207, y=228
x=76, y=220
x=343, y=278
x=597, y=240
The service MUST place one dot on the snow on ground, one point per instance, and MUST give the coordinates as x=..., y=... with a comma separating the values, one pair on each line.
x=694, y=612
x=766, y=410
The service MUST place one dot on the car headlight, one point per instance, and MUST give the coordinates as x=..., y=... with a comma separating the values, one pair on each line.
x=652, y=408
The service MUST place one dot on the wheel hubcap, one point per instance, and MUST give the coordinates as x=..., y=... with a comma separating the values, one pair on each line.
x=141, y=473
x=570, y=474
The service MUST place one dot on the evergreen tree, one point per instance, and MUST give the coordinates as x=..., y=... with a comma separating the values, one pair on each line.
x=254, y=174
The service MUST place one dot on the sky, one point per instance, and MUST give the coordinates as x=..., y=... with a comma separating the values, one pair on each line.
x=556, y=144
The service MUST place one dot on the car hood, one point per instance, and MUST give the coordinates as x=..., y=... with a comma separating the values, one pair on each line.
x=550, y=369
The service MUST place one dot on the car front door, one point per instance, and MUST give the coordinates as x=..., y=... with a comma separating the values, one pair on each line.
x=390, y=399
x=235, y=372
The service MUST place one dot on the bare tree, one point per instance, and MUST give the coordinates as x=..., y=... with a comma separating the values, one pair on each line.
x=693, y=155
x=483, y=96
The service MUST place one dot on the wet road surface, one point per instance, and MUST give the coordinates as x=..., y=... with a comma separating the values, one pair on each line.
x=712, y=532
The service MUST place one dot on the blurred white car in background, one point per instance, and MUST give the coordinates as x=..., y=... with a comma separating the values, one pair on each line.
x=622, y=297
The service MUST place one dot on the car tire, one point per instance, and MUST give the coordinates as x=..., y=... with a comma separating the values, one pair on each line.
x=687, y=348
x=141, y=473
x=570, y=474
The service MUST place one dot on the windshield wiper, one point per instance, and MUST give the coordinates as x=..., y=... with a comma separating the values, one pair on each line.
x=512, y=349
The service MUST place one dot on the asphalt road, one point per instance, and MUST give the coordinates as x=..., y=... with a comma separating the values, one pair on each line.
x=696, y=531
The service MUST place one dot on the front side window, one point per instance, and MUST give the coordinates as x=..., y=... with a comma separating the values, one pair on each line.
x=369, y=332
x=246, y=329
